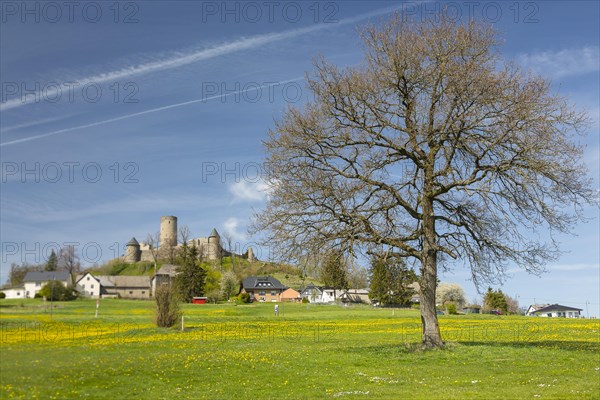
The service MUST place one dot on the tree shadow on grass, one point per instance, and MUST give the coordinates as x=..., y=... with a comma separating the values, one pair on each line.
x=573, y=345
x=404, y=348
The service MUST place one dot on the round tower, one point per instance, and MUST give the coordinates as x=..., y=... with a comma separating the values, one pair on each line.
x=132, y=251
x=250, y=254
x=168, y=231
x=214, y=245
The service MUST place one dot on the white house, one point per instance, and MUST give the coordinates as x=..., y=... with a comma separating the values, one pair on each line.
x=320, y=294
x=14, y=293
x=119, y=286
x=557, y=310
x=533, y=308
x=88, y=285
x=34, y=281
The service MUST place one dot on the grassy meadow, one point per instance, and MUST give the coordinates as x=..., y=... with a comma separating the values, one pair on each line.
x=307, y=352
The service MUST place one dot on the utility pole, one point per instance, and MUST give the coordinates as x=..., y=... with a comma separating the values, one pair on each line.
x=587, y=311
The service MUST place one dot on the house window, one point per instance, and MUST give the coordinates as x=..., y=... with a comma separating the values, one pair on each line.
x=261, y=293
x=92, y=286
x=83, y=286
x=131, y=292
x=88, y=278
x=38, y=284
x=143, y=292
x=550, y=314
x=273, y=293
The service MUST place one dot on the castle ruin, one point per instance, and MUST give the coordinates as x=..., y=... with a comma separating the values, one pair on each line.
x=209, y=247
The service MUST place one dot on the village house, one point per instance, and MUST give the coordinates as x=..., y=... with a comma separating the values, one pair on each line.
x=263, y=288
x=533, y=308
x=320, y=294
x=291, y=295
x=14, y=293
x=35, y=280
x=164, y=276
x=356, y=296
x=117, y=286
x=556, y=311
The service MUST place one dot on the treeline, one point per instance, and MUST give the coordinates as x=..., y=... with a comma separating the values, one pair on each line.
x=66, y=260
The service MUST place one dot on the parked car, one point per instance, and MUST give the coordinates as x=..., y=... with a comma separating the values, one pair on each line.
x=496, y=312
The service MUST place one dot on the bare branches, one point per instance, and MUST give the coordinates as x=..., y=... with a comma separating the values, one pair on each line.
x=429, y=119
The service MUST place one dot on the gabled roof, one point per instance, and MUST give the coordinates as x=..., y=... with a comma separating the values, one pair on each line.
x=126, y=281
x=168, y=269
x=44, y=276
x=121, y=281
x=311, y=286
x=290, y=293
x=557, y=307
x=133, y=242
x=262, y=282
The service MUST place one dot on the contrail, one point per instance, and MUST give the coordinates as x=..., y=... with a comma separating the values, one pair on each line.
x=150, y=111
x=191, y=57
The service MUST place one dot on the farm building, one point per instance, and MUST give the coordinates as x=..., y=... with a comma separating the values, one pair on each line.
x=119, y=286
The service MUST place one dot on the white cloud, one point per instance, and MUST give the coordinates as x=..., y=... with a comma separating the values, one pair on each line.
x=231, y=226
x=562, y=63
x=249, y=191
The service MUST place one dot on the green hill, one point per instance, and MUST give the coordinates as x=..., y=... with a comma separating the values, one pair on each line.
x=287, y=274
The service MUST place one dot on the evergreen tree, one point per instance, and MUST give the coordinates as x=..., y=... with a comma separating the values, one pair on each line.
x=334, y=271
x=495, y=300
x=52, y=263
x=380, y=278
x=189, y=281
x=389, y=281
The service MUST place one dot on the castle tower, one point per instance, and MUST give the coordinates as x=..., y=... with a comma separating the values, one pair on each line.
x=250, y=254
x=132, y=251
x=168, y=231
x=214, y=245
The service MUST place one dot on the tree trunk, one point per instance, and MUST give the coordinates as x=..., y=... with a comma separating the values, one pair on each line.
x=432, y=337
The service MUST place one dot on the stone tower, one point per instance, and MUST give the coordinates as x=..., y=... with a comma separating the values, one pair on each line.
x=168, y=231
x=214, y=245
x=250, y=254
x=132, y=251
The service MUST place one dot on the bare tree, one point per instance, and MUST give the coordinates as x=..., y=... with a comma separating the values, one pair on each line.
x=184, y=234
x=435, y=150
x=69, y=261
x=153, y=241
x=229, y=240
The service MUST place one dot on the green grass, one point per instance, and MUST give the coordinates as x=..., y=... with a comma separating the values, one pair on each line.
x=307, y=352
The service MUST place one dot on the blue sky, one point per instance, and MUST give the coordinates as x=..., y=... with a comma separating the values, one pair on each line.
x=114, y=116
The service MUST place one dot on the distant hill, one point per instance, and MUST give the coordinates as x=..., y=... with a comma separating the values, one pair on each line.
x=285, y=273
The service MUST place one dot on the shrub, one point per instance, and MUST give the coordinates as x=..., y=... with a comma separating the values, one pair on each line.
x=2, y=295
x=305, y=300
x=56, y=291
x=243, y=298
x=167, y=306
x=451, y=307
x=415, y=306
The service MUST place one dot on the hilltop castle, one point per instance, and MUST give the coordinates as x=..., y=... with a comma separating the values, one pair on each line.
x=209, y=247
